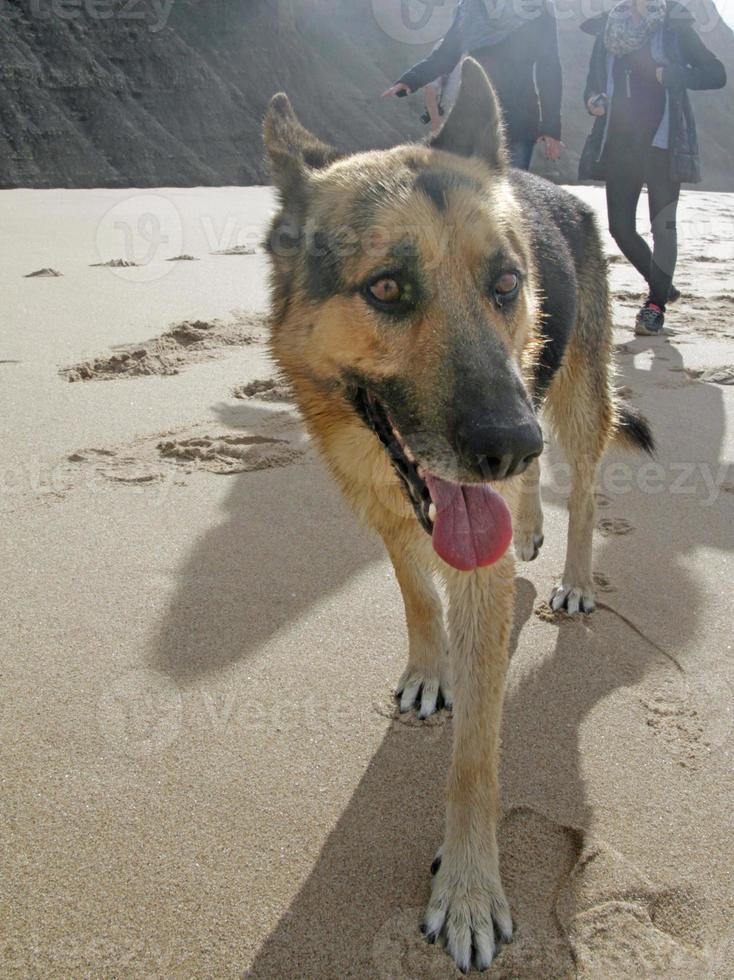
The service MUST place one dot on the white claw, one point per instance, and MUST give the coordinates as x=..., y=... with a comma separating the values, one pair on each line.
x=429, y=698
x=484, y=947
x=409, y=695
x=435, y=918
x=573, y=602
x=558, y=598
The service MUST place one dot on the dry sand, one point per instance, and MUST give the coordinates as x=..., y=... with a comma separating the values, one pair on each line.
x=202, y=773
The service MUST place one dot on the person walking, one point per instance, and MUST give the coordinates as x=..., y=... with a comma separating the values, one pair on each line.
x=646, y=57
x=516, y=42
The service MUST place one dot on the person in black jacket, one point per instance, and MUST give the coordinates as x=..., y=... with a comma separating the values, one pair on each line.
x=517, y=45
x=646, y=56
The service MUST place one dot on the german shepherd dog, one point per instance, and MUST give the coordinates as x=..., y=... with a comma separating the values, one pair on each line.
x=427, y=302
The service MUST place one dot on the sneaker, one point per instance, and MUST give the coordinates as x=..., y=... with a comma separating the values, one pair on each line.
x=650, y=320
x=673, y=294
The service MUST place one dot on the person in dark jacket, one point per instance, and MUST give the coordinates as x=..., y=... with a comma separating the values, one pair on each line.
x=646, y=56
x=516, y=42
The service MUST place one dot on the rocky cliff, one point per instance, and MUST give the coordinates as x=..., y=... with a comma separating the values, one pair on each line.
x=157, y=92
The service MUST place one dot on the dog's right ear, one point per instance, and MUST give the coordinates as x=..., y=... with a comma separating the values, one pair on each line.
x=292, y=150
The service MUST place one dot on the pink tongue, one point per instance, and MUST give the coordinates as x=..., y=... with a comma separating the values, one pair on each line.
x=473, y=525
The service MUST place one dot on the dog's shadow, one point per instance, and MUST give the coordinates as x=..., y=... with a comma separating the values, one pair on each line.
x=286, y=540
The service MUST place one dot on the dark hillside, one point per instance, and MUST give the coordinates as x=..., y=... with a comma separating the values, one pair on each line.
x=126, y=101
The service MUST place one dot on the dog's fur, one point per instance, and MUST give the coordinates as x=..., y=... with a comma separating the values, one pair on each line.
x=456, y=378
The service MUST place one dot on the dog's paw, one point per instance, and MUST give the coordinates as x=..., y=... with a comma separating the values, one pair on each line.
x=572, y=599
x=425, y=690
x=469, y=915
x=528, y=544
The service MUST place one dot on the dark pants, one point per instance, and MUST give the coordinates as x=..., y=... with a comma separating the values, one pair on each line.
x=521, y=153
x=627, y=173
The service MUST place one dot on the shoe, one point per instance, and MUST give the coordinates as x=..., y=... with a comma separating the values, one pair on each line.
x=673, y=294
x=649, y=321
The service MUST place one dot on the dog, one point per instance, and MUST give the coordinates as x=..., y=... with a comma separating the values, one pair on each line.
x=428, y=304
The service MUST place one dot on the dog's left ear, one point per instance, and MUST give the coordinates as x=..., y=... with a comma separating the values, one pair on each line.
x=292, y=150
x=474, y=127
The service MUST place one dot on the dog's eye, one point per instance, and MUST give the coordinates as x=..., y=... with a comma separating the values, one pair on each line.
x=385, y=290
x=506, y=288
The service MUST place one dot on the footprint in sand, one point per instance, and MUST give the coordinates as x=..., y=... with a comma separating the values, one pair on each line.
x=690, y=713
x=114, y=264
x=230, y=453
x=43, y=274
x=538, y=855
x=613, y=525
x=144, y=463
x=628, y=296
x=722, y=375
x=602, y=583
x=87, y=455
x=235, y=250
x=265, y=389
x=183, y=344
x=581, y=910
x=677, y=724
x=602, y=500
x=115, y=466
x=618, y=923
x=620, y=939
x=718, y=375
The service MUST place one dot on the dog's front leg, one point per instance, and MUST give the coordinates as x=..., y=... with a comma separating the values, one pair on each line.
x=426, y=682
x=467, y=899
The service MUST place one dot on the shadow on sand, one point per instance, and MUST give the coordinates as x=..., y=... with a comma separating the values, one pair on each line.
x=286, y=532
x=357, y=913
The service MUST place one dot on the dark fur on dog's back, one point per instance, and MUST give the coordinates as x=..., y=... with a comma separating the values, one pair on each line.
x=558, y=226
x=565, y=239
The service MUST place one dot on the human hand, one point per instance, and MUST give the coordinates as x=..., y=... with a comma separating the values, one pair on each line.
x=400, y=89
x=551, y=147
x=596, y=108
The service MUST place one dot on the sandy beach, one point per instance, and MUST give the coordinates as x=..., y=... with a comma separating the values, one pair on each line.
x=202, y=772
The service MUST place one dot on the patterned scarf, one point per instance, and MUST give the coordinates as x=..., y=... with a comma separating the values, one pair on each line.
x=624, y=33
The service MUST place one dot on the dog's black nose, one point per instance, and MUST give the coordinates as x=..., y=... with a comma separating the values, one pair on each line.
x=496, y=451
